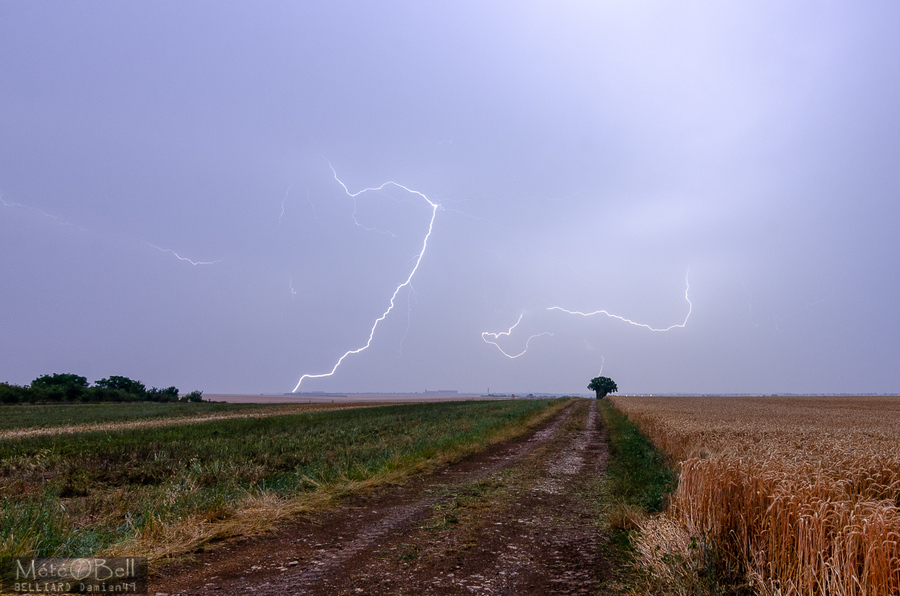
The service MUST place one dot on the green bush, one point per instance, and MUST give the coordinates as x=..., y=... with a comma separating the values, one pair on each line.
x=193, y=396
x=72, y=388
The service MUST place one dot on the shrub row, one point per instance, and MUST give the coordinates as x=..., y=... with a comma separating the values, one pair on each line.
x=67, y=387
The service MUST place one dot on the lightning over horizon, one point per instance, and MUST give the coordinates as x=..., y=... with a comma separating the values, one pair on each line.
x=375, y=198
x=418, y=260
x=635, y=323
x=496, y=336
x=507, y=333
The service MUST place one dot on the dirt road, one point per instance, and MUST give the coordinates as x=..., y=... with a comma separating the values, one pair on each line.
x=519, y=518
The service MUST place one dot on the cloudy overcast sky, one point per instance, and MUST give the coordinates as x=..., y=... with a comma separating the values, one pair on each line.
x=173, y=210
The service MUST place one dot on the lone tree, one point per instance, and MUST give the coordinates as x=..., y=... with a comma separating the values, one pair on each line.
x=603, y=386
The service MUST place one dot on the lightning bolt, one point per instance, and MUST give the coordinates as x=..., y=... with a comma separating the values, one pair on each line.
x=181, y=258
x=507, y=333
x=55, y=218
x=418, y=261
x=496, y=336
x=635, y=323
x=281, y=215
x=356, y=206
x=63, y=222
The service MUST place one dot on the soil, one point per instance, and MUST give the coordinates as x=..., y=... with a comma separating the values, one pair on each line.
x=519, y=518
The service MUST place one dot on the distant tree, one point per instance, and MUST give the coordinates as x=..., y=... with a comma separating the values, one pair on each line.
x=602, y=386
x=167, y=394
x=60, y=380
x=59, y=387
x=123, y=384
x=193, y=396
x=12, y=394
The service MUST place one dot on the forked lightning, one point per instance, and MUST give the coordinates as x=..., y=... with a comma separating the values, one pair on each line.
x=496, y=336
x=418, y=260
x=635, y=323
x=507, y=333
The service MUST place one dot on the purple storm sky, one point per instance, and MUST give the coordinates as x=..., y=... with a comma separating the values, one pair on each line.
x=168, y=209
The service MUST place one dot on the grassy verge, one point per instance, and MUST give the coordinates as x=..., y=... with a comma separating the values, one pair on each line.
x=638, y=473
x=164, y=491
x=636, y=483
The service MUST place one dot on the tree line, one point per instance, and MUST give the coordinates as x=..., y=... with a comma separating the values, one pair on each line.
x=67, y=387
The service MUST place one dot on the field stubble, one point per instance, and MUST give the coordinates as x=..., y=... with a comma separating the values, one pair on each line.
x=792, y=495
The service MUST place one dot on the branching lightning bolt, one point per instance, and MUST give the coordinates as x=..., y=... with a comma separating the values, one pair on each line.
x=496, y=336
x=418, y=261
x=181, y=258
x=635, y=323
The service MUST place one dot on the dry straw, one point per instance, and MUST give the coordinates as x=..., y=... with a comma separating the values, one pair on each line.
x=800, y=493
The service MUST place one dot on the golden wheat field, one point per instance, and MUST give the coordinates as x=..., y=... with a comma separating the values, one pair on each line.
x=801, y=495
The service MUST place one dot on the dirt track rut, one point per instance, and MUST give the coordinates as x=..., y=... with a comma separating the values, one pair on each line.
x=519, y=518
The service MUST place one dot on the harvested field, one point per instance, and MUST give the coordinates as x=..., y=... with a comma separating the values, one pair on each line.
x=793, y=495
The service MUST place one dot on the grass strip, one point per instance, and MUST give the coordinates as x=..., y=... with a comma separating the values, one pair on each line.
x=637, y=480
x=165, y=491
x=637, y=472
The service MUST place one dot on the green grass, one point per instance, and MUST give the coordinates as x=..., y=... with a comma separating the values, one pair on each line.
x=638, y=478
x=638, y=474
x=77, y=494
x=48, y=415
